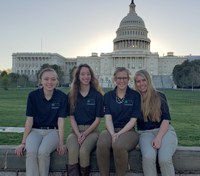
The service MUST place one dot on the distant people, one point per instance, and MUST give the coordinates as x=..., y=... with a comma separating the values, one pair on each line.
x=44, y=127
x=86, y=109
x=157, y=138
x=122, y=108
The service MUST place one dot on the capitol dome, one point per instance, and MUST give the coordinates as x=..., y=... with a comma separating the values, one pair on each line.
x=132, y=33
x=132, y=19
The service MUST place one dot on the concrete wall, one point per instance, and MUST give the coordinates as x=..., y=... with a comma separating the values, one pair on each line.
x=186, y=162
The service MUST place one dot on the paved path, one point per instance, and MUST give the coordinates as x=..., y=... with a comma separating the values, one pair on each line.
x=12, y=129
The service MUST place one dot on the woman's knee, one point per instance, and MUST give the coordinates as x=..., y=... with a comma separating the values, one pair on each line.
x=149, y=157
x=43, y=153
x=31, y=150
x=84, y=151
x=72, y=145
x=72, y=151
x=164, y=159
x=102, y=143
x=117, y=148
x=31, y=153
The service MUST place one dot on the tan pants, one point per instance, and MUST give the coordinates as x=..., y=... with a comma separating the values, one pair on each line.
x=126, y=142
x=81, y=153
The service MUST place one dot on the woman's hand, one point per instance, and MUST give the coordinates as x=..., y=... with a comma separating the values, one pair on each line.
x=19, y=151
x=156, y=143
x=61, y=149
x=115, y=136
x=81, y=138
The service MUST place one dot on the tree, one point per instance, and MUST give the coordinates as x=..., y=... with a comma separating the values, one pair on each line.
x=57, y=69
x=22, y=81
x=4, y=80
x=196, y=73
x=187, y=74
x=59, y=72
x=4, y=73
x=14, y=78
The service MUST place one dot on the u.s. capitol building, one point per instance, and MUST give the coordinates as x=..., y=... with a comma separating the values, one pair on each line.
x=131, y=49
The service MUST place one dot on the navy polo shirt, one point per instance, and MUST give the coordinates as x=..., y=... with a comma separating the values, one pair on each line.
x=45, y=112
x=165, y=115
x=122, y=113
x=88, y=107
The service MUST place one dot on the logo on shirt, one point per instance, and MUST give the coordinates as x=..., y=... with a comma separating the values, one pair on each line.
x=55, y=105
x=128, y=103
x=91, y=102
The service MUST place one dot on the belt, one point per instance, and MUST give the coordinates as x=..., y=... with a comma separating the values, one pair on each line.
x=46, y=128
x=118, y=129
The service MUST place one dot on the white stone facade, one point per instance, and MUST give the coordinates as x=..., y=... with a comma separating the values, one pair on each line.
x=131, y=49
x=30, y=63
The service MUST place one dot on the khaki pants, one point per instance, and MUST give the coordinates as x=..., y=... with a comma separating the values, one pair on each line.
x=81, y=153
x=39, y=145
x=165, y=153
x=126, y=142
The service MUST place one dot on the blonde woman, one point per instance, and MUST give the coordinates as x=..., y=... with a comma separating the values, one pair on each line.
x=156, y=136
x=44, y=128
x=122, y=108
x=86, y=109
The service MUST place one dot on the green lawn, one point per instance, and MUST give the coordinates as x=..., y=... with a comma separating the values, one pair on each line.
x=184, y=108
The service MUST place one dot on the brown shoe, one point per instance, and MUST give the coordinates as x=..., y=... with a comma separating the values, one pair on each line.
x=85, y=171
x=73, y=170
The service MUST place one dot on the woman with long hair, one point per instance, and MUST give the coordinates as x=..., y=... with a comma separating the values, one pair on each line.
x=122, y=108
x=156, y=136
x=86, y=109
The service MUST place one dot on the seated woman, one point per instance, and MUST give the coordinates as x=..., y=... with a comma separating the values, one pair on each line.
x=156, y=136
x=122, y=108
x=86, y=109
x=44, y=128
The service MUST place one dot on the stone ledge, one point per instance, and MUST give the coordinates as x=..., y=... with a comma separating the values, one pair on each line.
x=186, y=161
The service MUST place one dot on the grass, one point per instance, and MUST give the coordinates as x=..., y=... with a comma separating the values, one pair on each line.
x=184, y=108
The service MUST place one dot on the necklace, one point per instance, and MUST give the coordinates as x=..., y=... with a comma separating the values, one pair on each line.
x=119, y=100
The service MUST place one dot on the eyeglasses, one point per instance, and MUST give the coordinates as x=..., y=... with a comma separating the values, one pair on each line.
x=121, y=78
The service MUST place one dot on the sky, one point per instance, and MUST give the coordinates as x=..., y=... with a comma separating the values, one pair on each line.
x=74, y=28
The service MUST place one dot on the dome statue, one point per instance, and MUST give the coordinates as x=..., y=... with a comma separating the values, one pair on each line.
x=132, y=33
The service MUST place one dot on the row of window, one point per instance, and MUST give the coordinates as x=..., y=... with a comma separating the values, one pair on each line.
x=131, y=44
x=130, y=63
x=71, y=63
x=122, y=33
x=29, y=65
x=132, y=22
x=27, y=72
x=32, y=58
